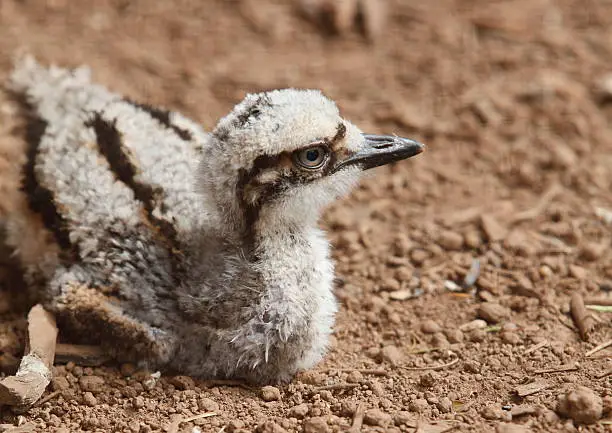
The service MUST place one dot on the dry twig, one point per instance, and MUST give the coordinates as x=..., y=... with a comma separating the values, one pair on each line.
x=45, y=399
x=373, y=372
x=560, y=369
x=596, y=349
x=433, y=367
x=357, y=419
x=174, y=427
x=584, y=320
x=535, y=347
x=531, y=388
x=34, y=373
x=338, y=386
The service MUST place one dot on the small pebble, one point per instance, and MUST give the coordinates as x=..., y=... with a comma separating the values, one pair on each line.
x=376, y=387
x=510, y=337
x=578, y=272
x=607, y=405
x=418, y=256
x=474, y=324
x=492, y=412
x=59, y=383
x=445, y=405
x=430, y=327
x=439, y=341
x=312, y=377
x=471, y=366
x=392, y=355
x=390, y=285
x=316, y=425
x=450, y=240
x=454, y=335
x=403, y=418
x=138, y=402
x=270, y=393
x=89, y=399
x=299, y=411
x=377, y=417
x=473, y=239
x=476, y=335
x=91, y=383
x=182, y=382
x=354, y=377
x=581, y=404
x=348, y=408
x=235, y=425
x=493, y=312
x=208, y=405
x=418, y=405
x=428, y=379
x=592, y=251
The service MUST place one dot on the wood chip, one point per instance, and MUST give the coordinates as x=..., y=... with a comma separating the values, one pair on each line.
x=531, y=388
x=370, y=371
x=583, y=319
x=34, y=373
x=433, y=367
x=562, y=368
x=338, y=386
x=174, y=427
x=602, y=346
x=535, y=347
x=357, y=419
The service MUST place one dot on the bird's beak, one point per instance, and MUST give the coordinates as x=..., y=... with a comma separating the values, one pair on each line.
x=380, y=150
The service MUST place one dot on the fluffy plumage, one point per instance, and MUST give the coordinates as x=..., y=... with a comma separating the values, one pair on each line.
x=170, y=246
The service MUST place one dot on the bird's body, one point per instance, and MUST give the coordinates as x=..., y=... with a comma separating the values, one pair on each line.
x=187, y=250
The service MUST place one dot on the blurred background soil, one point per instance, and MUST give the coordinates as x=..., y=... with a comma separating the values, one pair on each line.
x=513, y=99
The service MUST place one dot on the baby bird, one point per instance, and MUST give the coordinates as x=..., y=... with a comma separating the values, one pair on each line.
x=188, y=251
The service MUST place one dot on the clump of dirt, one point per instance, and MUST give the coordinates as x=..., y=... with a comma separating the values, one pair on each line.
x=455, y=271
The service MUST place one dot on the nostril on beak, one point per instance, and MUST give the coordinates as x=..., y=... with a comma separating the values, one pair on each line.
x=383, y=145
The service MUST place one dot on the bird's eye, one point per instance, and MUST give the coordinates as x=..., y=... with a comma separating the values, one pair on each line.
x=312, y=158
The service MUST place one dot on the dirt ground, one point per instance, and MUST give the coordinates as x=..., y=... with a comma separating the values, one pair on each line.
x=513, y=99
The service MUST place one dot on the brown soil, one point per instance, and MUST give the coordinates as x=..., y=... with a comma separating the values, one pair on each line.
x=512, y=101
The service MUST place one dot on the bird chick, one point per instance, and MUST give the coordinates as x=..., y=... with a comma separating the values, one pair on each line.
x=185, y=250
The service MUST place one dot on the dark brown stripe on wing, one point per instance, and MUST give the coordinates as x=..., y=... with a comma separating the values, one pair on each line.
x=111, y=147
x=41, y=199
x=163, y=117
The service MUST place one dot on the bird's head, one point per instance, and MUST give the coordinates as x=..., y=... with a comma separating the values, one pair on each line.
x=280, y=157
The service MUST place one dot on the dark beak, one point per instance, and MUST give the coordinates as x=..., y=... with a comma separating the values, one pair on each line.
x=380, y=150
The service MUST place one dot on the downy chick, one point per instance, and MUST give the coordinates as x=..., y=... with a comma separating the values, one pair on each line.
x=185, y=250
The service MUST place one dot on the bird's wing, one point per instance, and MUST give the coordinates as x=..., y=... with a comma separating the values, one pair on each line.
x=97, y=161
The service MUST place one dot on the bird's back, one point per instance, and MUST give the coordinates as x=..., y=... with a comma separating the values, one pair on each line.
x=112, y=180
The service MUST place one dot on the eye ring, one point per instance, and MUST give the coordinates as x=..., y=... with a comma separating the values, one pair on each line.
x=311, y=158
